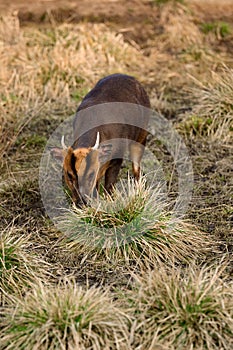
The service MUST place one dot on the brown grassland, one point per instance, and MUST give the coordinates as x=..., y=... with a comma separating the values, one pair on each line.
x=170, y=286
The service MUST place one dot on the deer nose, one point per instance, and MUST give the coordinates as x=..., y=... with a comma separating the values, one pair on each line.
x=80, y=202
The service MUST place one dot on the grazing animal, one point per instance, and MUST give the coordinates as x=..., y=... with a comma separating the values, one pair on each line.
x=108, y=122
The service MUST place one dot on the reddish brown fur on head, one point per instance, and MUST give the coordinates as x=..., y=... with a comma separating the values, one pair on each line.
x=80, y=168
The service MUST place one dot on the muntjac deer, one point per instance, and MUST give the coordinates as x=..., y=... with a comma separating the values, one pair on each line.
x=109, y=121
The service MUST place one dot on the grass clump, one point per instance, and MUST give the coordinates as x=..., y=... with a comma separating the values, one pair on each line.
x=197, y=125
x=63, y=317
x=132, y=223
x=188, y=309
x=179, y=29
x=214, y=107
x=18, y=266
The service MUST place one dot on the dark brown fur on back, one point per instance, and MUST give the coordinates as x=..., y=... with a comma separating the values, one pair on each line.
x=113, y=88
x=112, y=110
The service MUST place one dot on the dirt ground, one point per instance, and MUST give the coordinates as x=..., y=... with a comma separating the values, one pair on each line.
x=136, y=20
x=117, y=10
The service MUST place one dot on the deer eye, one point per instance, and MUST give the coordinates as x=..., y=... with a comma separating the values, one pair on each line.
x=91, y=175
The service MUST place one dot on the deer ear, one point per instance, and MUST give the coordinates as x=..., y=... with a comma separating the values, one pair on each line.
x=58, y=153
x=105, y=152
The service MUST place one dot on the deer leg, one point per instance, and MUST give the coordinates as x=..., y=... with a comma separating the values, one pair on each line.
x=112, y=173
x=96, y=189
x=97, y=185
x=136, y=151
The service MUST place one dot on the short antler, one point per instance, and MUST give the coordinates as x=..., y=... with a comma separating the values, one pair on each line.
x=63, y=142
x=97, y=143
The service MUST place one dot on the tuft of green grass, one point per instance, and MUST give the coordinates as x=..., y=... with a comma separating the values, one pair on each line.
x=208, y=27
x=129, y=225
x=197, y=125
x=19, y=267
x=64, y=317
x=31, y=143
x=162, y=2
x=220, y=29
x=188, y=309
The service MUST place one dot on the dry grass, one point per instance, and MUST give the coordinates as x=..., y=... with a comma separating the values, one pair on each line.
x=213, y=111
x=187, y=309
x=63, y=317
x=19, y=267
x=49, y=70
x=44, y=73
x=182, y=49
x=132, y=224
x=180, y=31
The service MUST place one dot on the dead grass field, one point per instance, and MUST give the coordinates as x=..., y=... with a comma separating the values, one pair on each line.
x=173, y=288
